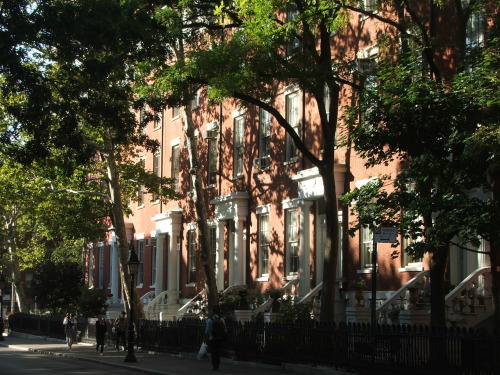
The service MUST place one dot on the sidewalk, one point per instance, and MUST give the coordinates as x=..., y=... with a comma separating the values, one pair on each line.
x=153, y=362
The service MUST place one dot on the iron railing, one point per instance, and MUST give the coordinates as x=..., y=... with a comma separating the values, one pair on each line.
x=355, y=348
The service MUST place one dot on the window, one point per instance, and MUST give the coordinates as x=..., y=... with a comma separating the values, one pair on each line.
x=212, y=161
x=195, y=101
x=292, y=241
x=410, y=261
x=175, y=166
x=140, y=191
x=475, y=30
x=369, y=5
x=292, y=116
x=153, y=265
x=101, y=266
x=367, y=68
x=294, y=44
x=140, y=255
x=156, y=170
x=176, y=112
x=239, y=129
x=264, y=138
x=366, y=247
x=158, y=120
x=191, y=276
x=264, y=244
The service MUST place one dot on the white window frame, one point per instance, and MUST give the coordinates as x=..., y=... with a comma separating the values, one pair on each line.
x=264, y=245
x=264, y=134
x=158, y=120
x=238, y=146
x=292, y=115
x=191, y=257
x=212, y=163
x=366, y=247
x=153, y=266
x=292, y=242
x=140, y=270
x=175, y=167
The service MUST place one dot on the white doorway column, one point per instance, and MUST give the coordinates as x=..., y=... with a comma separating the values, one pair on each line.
x=219, y=259
x=232, y=207
x=239, y=253
x=305, y=249
x=160, y=245
x=169, y=223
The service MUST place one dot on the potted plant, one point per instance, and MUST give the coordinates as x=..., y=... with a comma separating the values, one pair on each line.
x=243, y=313
x=275, y=295
x=359, y=286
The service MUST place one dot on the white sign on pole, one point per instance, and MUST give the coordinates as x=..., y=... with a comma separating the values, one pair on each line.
x=385, y=234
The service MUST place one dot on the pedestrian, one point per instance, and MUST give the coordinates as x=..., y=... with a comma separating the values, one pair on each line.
x=65, y=322
x=120, y=329
x=71, y=331
x=215, y=334
x=100, y=333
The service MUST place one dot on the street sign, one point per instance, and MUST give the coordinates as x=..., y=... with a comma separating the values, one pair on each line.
x=385, y=234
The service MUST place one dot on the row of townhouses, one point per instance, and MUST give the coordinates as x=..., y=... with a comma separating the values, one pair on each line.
x=267, y=214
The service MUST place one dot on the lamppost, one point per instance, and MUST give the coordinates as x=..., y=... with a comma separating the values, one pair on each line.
x=2, y=325
x=133, y=266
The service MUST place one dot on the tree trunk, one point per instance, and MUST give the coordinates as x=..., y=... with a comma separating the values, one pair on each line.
x=118, y=220
x=206, y=252
x=18, y=282
x=437, y=272
x=327, y=313
x=332, y=248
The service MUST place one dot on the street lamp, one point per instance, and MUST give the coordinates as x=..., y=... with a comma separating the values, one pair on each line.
x=133, y=266
x=2, y=325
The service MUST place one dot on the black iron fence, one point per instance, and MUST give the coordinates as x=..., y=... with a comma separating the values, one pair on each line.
x=355, y=348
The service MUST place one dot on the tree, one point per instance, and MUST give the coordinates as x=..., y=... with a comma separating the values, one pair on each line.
x=241, y=55
x=427, y=122
x=78, y=105
x=58, y=287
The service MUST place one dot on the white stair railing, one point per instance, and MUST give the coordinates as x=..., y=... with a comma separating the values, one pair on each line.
x=312, y=294
x=153, y=308
x=148, y=297
x=287, y=288
x=191, y=302
x=395, y=299
x=464, y=298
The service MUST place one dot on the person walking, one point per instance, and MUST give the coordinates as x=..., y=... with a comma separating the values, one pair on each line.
x=215, y=334
x=71, y=331
x=65, y=323
x=100, y=333
x=121, y=329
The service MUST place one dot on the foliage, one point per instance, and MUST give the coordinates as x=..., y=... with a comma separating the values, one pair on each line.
x=91, y=303
x=292, y=312
x=357, y=284
x=58, y=286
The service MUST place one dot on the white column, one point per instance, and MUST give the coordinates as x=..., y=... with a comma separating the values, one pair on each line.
x=173, y=283
x=239, y=263
x=160, y=240
x=219, y=259
x=115, y=272
x=305, y=249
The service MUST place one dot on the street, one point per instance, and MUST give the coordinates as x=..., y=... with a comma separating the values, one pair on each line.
x=20, y=362
x=27, y=354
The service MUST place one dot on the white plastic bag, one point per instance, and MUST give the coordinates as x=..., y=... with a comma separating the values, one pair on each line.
x=202, y=353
